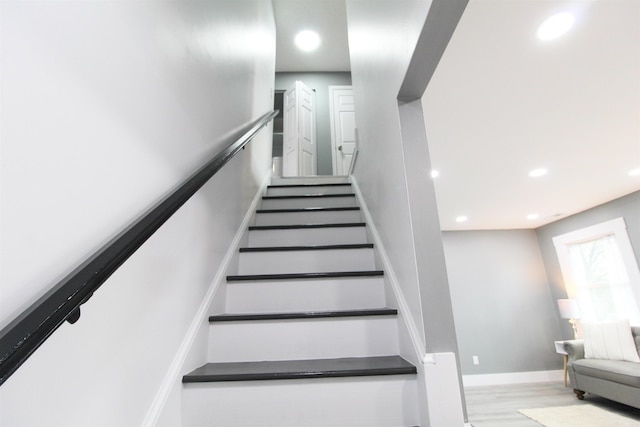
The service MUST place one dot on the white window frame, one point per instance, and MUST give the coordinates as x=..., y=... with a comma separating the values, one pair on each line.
x=616, y=228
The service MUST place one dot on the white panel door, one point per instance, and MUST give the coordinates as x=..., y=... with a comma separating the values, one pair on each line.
x=343, y=128
x=300, y=148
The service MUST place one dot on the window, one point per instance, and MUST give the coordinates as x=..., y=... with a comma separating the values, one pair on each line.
x=601, y=272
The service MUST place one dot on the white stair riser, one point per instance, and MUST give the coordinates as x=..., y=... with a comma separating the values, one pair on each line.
x=313, y=217
x=294, y=339
x=308, y=180
x=384, y=401
x=310, y=202
x=307, y=236
x=286, y=191
x=306, y=261
x=305, y=295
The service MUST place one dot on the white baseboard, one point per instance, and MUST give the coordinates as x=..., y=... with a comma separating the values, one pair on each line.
x=512, y=378
x=173, y=374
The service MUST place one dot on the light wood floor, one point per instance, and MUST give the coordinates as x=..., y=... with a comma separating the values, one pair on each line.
x=495, y=406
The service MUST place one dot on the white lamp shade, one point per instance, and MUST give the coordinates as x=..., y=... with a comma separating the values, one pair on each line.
x=569, y=309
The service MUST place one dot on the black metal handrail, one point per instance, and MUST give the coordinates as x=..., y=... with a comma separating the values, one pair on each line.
x=22, y=336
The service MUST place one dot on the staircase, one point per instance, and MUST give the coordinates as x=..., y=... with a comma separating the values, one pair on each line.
x=305, y=337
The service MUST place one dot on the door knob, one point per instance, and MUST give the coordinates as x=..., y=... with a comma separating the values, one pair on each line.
x=339, y=147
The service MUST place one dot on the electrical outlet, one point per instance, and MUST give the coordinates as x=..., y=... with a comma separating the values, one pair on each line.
x=476, y=361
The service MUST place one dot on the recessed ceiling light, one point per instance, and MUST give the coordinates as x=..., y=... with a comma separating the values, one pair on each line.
x=435, y=173
x=462, y=218
x=634, y=172
x=555, y=26
x=533, y=216
x=307, y=40
x=538, y=172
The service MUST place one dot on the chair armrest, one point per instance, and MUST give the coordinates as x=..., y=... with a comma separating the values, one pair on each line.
x=574, y=349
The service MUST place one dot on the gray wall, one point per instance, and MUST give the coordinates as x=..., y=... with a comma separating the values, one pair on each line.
x=627, y=207
x=503, y=309
x=504, y=287
x=319, y=82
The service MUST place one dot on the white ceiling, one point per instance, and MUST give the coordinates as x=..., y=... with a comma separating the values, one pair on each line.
x=502, y=103
x=326, y=17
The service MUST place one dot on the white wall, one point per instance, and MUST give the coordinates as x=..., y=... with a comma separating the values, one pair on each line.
x=392, y=172
x=105, y=106
x=392, y=168
x=378, y=64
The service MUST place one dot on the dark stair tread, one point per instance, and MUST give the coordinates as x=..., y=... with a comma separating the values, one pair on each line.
x=301, y=369
x=312, y=209
x=306, y=248
x=334, y=184
x=307, y=196
x=289, y=276
x=304, y=315
x=305, y=226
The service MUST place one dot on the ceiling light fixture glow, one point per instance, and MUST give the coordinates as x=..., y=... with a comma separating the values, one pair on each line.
x=533, y=216
x=307, y=40
x=435, y=173
x=538, y=172
x=555, y=26
x=462, y=218
x=634, y=172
